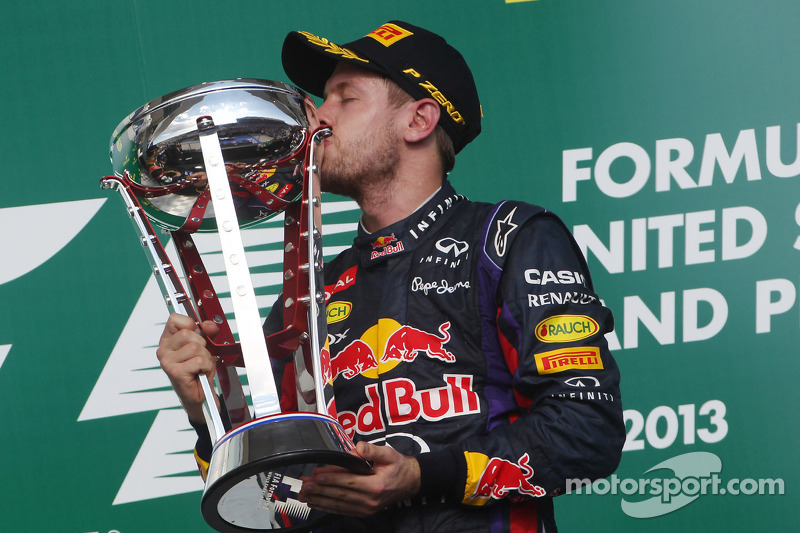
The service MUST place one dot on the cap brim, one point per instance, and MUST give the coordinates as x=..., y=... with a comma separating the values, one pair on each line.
x=308, y=68
x=309, y=64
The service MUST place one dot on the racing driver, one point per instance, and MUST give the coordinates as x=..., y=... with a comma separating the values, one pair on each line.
x=467, y=347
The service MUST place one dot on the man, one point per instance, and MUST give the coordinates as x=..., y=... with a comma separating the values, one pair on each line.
x=484, y=380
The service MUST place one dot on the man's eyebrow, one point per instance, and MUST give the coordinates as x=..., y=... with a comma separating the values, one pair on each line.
x=338, y=86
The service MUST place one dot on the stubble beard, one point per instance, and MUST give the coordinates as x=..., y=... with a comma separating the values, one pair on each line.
x=364, y=169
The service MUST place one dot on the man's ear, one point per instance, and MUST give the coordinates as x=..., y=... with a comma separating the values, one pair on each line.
x=423, y=116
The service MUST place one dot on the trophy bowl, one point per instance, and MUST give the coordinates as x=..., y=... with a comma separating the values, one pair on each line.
x=262, y=126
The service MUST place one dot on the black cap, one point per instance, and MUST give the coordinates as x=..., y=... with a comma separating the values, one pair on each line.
x=419, y=61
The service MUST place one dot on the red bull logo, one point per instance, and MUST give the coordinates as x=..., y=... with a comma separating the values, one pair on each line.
x=387, y=344
x=405, y=403
x=405, y=343
x=386, y=245
x=327, y=377
x=381, y=348
x=354, y=359
x=501, y=478
x=325, y=364
x=387, y=250
x=380, y=242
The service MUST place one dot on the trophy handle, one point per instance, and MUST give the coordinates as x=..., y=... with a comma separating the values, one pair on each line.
x=178, y=301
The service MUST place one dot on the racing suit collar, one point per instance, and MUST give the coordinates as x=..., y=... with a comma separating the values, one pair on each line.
x=403, y=236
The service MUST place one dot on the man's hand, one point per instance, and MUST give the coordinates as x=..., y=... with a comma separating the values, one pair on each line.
x=183, y=356
x=336, y=490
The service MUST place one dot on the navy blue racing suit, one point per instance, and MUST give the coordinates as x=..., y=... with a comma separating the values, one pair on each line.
x=469, y=336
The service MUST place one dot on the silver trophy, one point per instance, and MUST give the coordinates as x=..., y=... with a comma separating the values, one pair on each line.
x=218, y=157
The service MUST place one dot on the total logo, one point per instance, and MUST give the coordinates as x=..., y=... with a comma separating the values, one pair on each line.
x=383, y=346
x=345, y=281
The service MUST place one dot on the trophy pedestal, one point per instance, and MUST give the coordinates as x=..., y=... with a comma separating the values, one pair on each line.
x=255, y=471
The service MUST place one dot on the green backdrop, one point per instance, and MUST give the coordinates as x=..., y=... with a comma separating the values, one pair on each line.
x=667, y=134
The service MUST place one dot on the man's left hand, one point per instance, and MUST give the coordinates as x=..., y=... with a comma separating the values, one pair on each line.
x=336, y=490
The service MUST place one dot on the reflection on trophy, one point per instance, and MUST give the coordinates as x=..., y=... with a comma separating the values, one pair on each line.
x=217, y=157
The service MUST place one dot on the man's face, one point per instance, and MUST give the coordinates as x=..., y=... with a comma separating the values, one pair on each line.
x=363, y=150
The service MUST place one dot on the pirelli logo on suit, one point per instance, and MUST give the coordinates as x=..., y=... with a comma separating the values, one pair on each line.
x=579, y=358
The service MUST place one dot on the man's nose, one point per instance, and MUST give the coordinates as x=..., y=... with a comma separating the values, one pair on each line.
x=324, y=115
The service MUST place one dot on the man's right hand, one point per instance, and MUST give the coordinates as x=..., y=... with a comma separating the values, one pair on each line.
x=183, y=354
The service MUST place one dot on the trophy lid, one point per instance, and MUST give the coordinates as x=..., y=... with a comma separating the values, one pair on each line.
x=262, y=127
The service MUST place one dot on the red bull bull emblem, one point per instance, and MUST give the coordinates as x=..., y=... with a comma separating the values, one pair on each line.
x=354, y=359
x=403, y=344
x=386, y=240
x=501, y=478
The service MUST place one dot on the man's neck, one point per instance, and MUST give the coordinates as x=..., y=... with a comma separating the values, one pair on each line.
x=384, y=207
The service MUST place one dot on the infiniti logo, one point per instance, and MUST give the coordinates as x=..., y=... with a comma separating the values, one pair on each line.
x=449, y=244
x=583, y=381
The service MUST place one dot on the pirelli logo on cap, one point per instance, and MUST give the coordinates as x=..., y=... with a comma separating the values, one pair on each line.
x=581, y=358
x=388, y=34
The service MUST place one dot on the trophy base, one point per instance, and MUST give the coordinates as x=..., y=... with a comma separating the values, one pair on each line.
x=255, y=471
